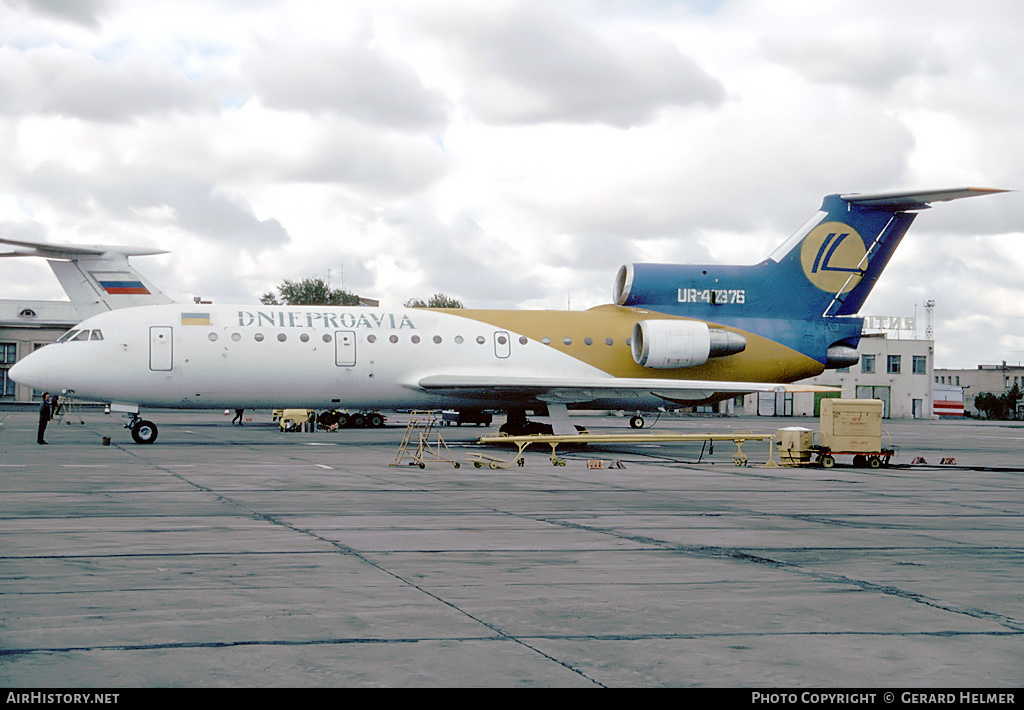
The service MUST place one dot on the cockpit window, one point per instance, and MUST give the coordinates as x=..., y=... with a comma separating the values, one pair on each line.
x=80, y=335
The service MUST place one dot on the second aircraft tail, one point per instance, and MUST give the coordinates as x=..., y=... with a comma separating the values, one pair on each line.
x=95, y=278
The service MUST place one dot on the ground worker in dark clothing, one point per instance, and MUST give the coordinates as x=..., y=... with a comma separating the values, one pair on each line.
x=45, y=414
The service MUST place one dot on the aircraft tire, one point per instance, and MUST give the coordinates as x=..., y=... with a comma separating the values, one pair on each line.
x=343, y=420
x=636, y=422
x=376, y=420
x=144, y=432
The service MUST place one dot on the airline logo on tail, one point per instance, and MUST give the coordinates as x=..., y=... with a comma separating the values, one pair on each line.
x=833, y=257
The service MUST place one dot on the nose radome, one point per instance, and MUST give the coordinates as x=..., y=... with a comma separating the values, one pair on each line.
x=29, y=371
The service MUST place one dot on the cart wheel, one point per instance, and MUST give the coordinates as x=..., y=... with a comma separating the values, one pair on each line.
x=874, y=462
x=477, y=464
x=739, y=460
x=422, y=465
x=456, y=464
x=494, y=465
x=520, y=461
x=828, y=461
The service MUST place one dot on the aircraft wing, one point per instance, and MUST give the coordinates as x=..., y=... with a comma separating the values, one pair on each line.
x=588, y=389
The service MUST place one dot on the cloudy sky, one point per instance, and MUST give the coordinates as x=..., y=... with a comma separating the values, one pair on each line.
x=513, y=153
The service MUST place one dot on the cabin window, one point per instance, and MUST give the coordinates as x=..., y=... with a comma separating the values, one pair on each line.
x=609, y=341
x=258, y=337
x=236, y=336
x=415, y=338
x=588, y=341
x=212, y=337
x=567, y=341
x=304, y=338
x=481, y=339
x=523, y=340
x=393, y=339
x=546, y=340
x=458, y=339
x=371, y=338
x=327, y=337
x=281, y=337
x=437, y=339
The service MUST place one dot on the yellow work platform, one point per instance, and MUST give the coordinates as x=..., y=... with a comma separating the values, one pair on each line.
x=553, y=440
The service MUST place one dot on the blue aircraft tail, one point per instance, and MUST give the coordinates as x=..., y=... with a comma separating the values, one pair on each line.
x=822, y=274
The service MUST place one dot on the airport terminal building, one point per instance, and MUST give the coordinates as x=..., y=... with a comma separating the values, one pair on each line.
x=898, y=371
x=994, y=379
x=26, y=326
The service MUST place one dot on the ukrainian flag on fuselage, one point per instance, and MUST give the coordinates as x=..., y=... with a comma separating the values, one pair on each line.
x=195, y=318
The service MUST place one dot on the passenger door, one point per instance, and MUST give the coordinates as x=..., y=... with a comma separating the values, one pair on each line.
x=161, y=348
x=345, y=348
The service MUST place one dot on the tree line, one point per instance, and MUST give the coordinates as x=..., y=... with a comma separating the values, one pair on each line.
x=317, y=292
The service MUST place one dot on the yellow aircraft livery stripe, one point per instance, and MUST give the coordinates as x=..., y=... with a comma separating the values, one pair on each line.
x=599, y=337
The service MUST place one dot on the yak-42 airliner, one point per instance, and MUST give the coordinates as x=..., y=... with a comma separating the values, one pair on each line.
x=675, y=335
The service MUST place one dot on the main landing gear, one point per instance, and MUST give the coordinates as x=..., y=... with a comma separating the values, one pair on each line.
x=143, y=430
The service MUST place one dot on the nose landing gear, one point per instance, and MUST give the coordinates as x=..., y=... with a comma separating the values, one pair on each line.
x=143, y=431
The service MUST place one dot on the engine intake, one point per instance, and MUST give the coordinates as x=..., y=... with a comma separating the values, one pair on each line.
x=671, y=344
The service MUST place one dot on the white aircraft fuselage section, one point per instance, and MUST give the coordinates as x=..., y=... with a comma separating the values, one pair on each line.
x=323, y=356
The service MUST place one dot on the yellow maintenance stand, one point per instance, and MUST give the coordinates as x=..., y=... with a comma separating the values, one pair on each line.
x=553, y=440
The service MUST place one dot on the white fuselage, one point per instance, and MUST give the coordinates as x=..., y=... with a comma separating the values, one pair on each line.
x=304, y=356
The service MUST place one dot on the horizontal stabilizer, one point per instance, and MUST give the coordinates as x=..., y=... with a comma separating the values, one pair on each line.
x=72, y=251
x=918, y=199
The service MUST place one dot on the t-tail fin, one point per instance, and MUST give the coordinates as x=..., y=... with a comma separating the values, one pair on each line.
x=95, y=278
x=827, y=268
x=842, y=251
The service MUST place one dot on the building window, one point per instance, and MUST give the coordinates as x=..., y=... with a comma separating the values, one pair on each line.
x=893, y=365
x=7, y=356
x=867, y=364
x=920, y=365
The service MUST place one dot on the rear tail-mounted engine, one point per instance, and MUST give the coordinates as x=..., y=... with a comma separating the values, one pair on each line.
x=670, y=344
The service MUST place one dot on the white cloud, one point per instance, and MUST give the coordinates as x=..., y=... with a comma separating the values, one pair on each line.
x=511, y=153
